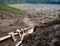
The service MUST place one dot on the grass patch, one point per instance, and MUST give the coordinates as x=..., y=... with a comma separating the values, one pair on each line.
x=4, y=7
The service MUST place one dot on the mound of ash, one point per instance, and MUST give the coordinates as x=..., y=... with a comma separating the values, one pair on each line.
x=48, y=34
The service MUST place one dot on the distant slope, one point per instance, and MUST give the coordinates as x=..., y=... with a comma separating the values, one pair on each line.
x=7, y=12
x=4, y=7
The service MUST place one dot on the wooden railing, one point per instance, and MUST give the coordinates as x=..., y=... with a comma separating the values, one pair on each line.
x=18, y=32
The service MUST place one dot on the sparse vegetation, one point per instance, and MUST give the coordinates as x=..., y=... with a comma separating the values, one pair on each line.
x=7, y=12
x=4, y=7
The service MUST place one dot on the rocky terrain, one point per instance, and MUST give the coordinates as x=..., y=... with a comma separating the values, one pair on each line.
x=46, y=35
x=46, y=23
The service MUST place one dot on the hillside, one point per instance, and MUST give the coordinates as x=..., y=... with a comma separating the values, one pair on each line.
x=7, y=8
x=7, y=12
x=46, y=23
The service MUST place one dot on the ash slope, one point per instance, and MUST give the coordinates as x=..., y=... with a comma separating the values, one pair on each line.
x=46, y=35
